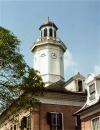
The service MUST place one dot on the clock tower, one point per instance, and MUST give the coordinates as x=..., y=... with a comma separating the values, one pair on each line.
x=48, y=51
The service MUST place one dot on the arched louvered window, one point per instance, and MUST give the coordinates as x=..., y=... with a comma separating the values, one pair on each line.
x=41, y=33
x=50, y=32
x=54, y=33
x=45, y=32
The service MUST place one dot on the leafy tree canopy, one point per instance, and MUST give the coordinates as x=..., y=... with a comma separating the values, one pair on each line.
x=16, y=77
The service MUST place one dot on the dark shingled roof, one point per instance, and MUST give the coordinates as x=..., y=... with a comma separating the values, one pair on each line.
x=59, y=87
x=48, y=23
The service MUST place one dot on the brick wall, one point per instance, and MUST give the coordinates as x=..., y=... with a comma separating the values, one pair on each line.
x=69, y=122
x=86, y=122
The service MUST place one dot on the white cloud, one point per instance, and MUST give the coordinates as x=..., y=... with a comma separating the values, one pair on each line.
x=97, y=69
x=68, y=60
x=70, y=66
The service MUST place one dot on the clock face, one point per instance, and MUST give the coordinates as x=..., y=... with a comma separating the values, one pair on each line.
x=54, y=55
x=42, y=55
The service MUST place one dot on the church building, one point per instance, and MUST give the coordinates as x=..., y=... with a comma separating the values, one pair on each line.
x=61, y=99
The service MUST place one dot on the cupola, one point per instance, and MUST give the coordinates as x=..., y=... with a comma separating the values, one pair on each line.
x=48, y=29
x=48, y=51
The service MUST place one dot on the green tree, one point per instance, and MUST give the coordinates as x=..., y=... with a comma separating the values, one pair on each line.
x=16, y=77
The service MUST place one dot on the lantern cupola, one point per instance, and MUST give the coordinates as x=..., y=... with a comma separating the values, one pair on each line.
x=48, y=30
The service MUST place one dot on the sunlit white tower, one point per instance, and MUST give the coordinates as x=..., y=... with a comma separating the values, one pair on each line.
x=48, y=53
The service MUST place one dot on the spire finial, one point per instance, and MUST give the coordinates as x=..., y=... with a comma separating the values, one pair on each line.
x=48, y=19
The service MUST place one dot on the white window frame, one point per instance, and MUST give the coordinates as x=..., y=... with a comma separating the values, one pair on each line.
x=62, y=118
x=30, y=120
x=92, y=93
x=92, y=121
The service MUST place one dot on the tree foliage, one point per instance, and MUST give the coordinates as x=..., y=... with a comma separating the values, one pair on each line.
x=16, y=77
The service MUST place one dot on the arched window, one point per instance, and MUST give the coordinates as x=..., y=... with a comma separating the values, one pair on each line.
x=23, y=123
x=14, y=127
x=45, y=32
x=54, y=33
x=50, y=32
x=41, y=33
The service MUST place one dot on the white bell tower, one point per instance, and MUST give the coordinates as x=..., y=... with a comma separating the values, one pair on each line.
x=48, y=53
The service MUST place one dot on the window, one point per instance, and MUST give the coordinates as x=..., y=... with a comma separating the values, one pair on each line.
x=54, y=120
x=14, y=127
x=50, y=32
x=23, y=123
x=96, y=123
x=92, y=91
x=26, y=123
x=78, y=123
x=41, y=33
x=45, y=32
x=11, y=128
x=54, y=33
x=80, y=85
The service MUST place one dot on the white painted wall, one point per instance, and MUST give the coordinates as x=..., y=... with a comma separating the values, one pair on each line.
x=71, y=86
x=98, y=87
x=51, y=67
x=89, y=81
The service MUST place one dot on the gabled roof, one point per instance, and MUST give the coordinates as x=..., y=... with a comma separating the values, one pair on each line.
x=77, y=76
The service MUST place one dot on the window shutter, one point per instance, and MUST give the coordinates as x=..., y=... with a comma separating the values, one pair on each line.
x=53, y=119
x=45, y=32
x=49, y=118
x=59, y=120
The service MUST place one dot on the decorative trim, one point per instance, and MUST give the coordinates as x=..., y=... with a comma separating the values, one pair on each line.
x=90, y=113
x=60, y=102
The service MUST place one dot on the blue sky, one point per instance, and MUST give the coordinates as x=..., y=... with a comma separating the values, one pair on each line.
x=79, y=28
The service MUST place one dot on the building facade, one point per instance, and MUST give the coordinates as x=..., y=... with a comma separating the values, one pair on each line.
x=89, y=114
x=53, y=112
